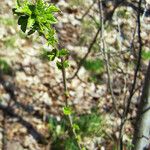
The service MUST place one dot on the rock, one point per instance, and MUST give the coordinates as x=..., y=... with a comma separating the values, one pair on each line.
x=62, y=3
x=30, y=143
x=23, y=130
x=46, y=99
x=14, y=146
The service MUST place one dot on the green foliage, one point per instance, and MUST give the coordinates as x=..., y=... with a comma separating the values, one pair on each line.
x=44, y=54
x=63, y=52
x=58, y=53
x=56, y=128
x=60, y=64
x=95, y=68
x=53, y=54
x=40, y=17
x=4, y=66
x=76, y=127
x=96, y=65
x=91, y=125
x=146, y=55
x=67, y=110
x=87, y=125
x=67, y=144
x=129, y=145
x=37, y=17
x=70, y=144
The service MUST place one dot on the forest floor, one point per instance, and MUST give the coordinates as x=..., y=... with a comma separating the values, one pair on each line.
x=31, y=89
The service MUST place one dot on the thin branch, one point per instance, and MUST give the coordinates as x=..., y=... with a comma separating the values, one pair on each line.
x=103, y=47
x=138, y=62
x=66, y=103
x=127, y=107
x=87, y=11
x=87, y=54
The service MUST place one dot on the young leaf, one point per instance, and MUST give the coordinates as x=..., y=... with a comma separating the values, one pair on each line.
x=50, y=18
x=23, y=20
x=30, y=22
x=59, y=65
x=66, y=64
x=53, y=54
x=52, y=9
x=18, y=3
x=63, y=52
x=31, y=31
x=76, y=127
x=67, y=110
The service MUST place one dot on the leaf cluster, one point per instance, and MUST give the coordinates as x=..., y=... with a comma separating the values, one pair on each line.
x=37, y=17
x=59, y=54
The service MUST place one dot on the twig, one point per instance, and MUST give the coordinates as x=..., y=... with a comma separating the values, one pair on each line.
x=87, y=54
x=87, y=11
x=144, y=13
x=138, y=63
x=119, y=36
x=103, y=47
x=126, y=109
x=66, y=103
x=4, y=140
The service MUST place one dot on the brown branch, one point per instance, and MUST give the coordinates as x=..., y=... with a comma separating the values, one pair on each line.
x=103, y=47
x=127, y=107
x=87, y=54
x=87, y=11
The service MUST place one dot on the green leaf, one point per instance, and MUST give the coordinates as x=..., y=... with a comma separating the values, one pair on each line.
x=24, y=9
x=76, y=127
x=32, y=8
x=31, y=31
x=66, y=64
x=95, y=65
x=59, y=65
x=30, y=22
x=53, y=54
x=52, y=9
x=50, y=19
x=23, y=20
x=67, y=110
x=18, y=3
x=40, y=2
x=63, y=52
x=78, y=137
x=38, y=17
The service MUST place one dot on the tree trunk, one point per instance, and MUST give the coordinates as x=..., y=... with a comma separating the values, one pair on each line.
x=141, y=138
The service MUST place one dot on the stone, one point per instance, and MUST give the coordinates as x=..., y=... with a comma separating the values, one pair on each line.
x=14, y=146
x=46, y=99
